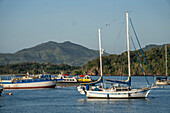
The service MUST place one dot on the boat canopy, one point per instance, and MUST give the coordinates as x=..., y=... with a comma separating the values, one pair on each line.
x=65, y=74
x=128, y=81
x=81, y=75
x=94, y=82
x=160, y=78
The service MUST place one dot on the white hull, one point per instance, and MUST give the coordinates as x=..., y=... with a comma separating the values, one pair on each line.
x=140, y=93
x=30, y=85
x=161, y=82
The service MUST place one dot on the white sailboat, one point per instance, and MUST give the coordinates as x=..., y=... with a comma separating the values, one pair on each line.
x=164, y=80
x=114, y=92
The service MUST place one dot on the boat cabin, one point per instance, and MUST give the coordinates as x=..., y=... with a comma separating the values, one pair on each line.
x=121, y=88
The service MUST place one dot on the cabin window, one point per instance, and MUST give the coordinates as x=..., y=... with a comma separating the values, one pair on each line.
x=124, y=89
x=118, y=89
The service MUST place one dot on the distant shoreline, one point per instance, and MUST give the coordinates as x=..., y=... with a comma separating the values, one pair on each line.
x=77, y=75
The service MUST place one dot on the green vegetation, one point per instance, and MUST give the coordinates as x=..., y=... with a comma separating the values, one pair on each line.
x=117, y=64
x=37, y=68
x=112, y=65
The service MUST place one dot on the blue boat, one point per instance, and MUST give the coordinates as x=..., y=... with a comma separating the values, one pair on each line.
x=29, y=82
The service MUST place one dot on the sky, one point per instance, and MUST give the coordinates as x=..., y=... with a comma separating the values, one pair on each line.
x=27, y=23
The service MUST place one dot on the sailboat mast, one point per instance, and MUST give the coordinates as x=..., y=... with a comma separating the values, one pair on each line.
x=99, y=30
x=127, y=22
x=166, y=59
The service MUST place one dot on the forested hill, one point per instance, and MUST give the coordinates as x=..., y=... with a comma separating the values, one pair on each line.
x=117, y=64
x=112, y=65
x=53, y=52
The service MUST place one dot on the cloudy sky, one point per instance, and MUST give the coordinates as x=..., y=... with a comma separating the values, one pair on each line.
x=26, y=23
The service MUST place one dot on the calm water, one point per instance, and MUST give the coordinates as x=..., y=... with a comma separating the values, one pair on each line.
x=68, y=100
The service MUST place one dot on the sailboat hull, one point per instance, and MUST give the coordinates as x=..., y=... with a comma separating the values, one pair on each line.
x=161, y=82
x=136, y=93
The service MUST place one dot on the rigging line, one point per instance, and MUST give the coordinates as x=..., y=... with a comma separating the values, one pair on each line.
x=119, y=34
x=139, y=60
x=121, y=29
x=110, y=23
x=140, y=45
x=119, y=17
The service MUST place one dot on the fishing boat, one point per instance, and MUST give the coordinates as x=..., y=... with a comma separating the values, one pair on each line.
x=29, y=82
x=164, y=80
x=121, y=91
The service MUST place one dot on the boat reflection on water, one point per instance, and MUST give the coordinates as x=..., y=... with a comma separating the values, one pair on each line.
x=67, y=84
x=110, y=100
x=112, y=105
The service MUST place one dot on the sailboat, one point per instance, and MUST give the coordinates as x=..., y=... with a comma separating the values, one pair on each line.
x=115, y=91
x=164, y=80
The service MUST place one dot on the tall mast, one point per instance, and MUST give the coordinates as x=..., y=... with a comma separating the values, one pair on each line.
x=127, y=24
x=100, y=49
x=166, y=59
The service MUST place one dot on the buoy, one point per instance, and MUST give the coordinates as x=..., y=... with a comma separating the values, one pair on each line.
x=9, y=93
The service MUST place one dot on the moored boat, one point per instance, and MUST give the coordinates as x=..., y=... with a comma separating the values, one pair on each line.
x=29, y=82
x=164, y=80
x=161, y=81
x=84, y=78
x=65, y=80
x=121, y=91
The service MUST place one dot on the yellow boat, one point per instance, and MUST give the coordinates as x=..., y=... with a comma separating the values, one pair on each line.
x=84, y=78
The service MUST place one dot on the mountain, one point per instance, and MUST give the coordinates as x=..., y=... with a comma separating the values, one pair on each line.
x=53, y=52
